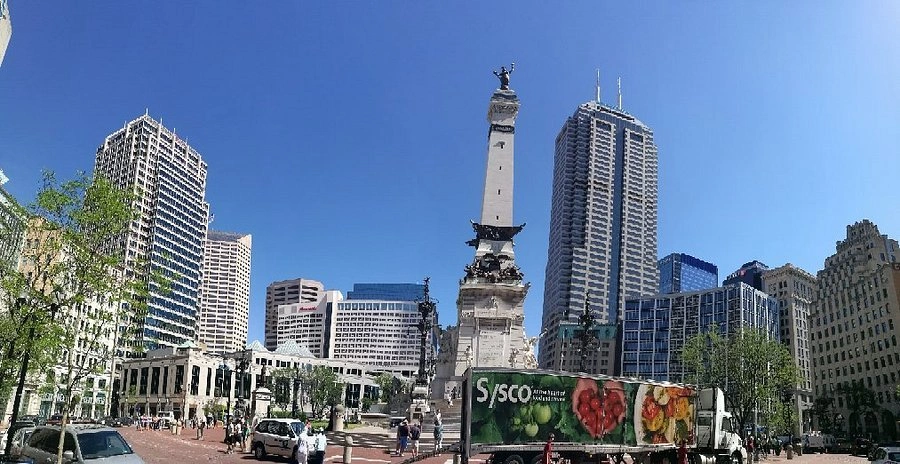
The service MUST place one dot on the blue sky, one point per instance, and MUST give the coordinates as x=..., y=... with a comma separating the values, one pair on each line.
x=350, y=137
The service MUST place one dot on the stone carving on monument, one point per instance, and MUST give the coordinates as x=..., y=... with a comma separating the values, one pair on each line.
x=490, y=331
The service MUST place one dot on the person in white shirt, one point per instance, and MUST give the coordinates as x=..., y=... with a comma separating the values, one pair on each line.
x=317, y=456
x=302, y=448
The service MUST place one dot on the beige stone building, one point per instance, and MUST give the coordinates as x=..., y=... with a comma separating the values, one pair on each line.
x=853, y=332
x=795, y=290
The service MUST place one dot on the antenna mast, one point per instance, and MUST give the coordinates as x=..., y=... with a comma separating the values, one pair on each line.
x=598, y=85
x=619, y=84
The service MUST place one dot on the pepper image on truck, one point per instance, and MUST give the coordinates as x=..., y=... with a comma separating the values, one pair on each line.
x=510, y=413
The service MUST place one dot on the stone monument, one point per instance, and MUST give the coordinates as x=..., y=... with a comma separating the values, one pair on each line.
x=492, y=292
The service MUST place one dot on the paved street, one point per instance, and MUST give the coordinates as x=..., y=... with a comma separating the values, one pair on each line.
x=161, y=447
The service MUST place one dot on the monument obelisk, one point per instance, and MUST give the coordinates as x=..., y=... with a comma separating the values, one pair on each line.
x=492, y=293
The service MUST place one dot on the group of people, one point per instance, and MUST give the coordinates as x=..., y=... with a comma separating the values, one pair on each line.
x=408, y=435
x=311, y=448
x=237, y=432
x=762, y=446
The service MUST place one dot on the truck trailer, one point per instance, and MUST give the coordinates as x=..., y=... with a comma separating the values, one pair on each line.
x=510, y=414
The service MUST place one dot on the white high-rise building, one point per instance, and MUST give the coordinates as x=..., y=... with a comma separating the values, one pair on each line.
x=225, y=296
x=287, y=292
x=307, y=323
x=168, y=178
x=603, y=226
x=5, y=28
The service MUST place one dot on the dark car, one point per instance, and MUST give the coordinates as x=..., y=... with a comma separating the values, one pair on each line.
x=55, y=419
x=861, y=447
x=111, y=421
x=7, y=459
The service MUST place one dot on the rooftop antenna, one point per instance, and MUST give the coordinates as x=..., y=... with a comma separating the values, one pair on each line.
x=619, y=84
x=598, y=86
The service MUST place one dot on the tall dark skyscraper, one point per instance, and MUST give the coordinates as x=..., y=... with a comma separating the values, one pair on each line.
x=679, y=272
x=603, y=226
x=750, y=273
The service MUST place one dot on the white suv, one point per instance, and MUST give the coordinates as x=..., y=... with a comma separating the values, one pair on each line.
x=278, y=437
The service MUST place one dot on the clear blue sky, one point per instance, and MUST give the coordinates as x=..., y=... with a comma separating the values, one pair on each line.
x=350, y=138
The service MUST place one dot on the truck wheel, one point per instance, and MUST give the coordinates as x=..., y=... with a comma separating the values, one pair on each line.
x=514, y=459
x=537, y=459
x=736, y=458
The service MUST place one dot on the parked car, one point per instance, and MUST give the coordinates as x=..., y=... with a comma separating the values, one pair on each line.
x=861, y=446
x=9, y=459
x=884, y=455
x=55, y=419
x=277, y=436
x=83, y=443
x=110, y=421
x=20, y=437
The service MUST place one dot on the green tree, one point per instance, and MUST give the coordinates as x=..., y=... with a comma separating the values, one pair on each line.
x=388, y=387
x=73, y=287
x=325, y=390
x=823, y=411
x=751, y=369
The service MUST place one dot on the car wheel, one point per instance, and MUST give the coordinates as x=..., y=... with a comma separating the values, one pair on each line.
x=259, y=451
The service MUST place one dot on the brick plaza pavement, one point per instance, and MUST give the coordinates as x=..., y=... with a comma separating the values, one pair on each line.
x=161, y=447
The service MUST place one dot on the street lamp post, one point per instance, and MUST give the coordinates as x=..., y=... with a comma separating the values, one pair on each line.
x=586, y=321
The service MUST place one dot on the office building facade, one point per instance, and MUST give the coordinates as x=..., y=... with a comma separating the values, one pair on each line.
x=680, y=273
x=12, y=227
x=795, y=290
x=656, y=328
x=5, y=28
x=853, y=332
x=387, y=292
x=750, y=273
x=308, y=323
x=168, y=177
x=225, y=295
x=603, y=231
x=287, y=292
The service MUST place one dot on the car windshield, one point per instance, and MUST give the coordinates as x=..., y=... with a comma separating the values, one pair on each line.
x=894, y=456
x=297, y=427
x=101, y=444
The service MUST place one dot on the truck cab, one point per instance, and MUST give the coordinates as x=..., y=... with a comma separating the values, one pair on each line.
x=419, y=408
x=715, y=430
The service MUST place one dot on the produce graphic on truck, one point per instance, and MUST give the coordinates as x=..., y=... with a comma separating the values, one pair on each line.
x=510, y=414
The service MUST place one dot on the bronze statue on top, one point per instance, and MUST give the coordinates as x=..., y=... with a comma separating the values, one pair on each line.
x=503, y=75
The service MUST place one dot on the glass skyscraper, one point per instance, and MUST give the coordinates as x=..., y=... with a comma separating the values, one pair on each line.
x=750, y=273
x=389, y=292
x=603, y=226
x=168, y=178
x=656, y=328
x=679, y=272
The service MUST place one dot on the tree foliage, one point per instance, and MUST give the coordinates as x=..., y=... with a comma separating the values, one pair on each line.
x=388, y=387
x=72, y=288
x=324, y=388
x=751, y=369
x=823, y=411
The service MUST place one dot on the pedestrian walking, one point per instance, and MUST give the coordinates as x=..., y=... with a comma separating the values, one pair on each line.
x=229, y=438
x=245, y=435
x=402, y=437
x=438, y=431
x=319, y=444
x=301, y=455
x=200, y=428
x=415, y=432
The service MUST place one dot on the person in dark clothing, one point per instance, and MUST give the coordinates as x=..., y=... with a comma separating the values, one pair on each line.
x=548, y=450
x=402, y=437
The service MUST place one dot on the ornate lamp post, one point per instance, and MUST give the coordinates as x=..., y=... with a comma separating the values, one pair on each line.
x=586, y=322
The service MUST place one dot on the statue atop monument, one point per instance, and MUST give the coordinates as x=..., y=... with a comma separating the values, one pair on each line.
x=503, y=75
